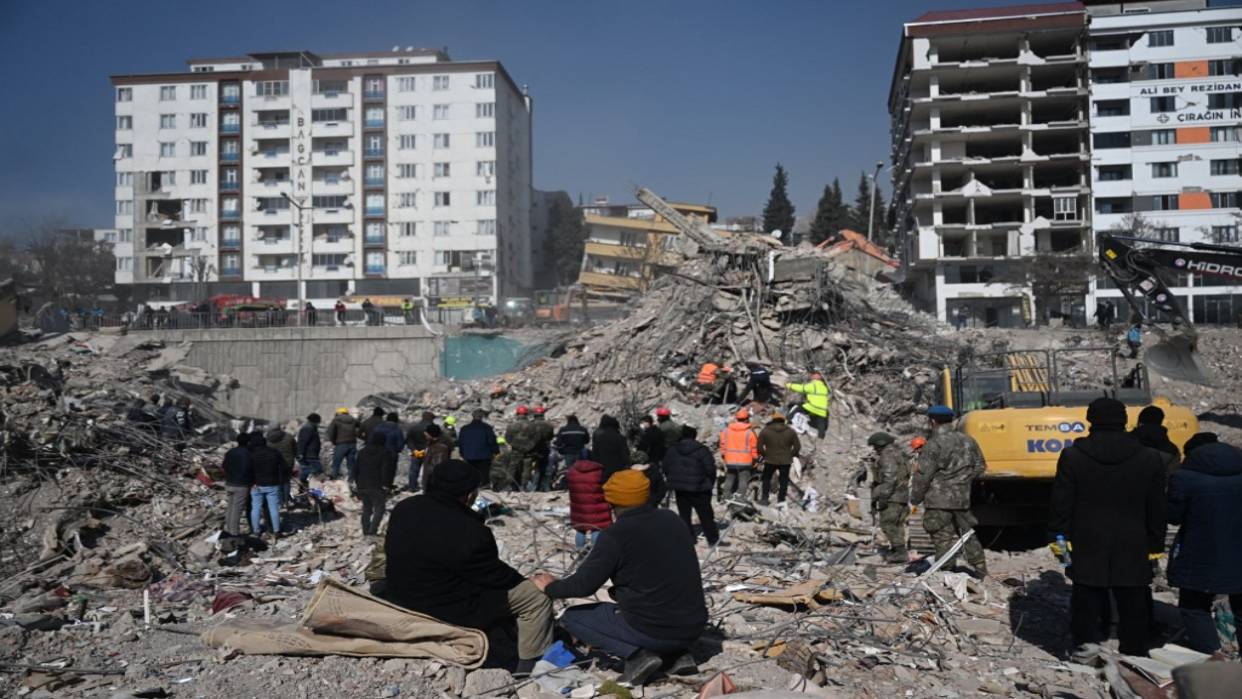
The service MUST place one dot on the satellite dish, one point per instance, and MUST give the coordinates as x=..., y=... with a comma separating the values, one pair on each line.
x=777, y=234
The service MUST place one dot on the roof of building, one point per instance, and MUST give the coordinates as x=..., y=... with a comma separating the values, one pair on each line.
x=442, y=54
x=1010, y=11
x=853, y=240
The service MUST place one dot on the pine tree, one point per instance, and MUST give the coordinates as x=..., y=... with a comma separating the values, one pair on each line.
x=779, y=212
x=862, y=205
x=831, y=215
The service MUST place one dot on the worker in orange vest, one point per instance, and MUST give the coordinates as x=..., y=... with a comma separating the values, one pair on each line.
x=716, y=383
x=739, y=448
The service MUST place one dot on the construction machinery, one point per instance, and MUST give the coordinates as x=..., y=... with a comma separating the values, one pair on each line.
x=1139, y=271
x=8, y=307
x=1025, y=408
x=557, y=305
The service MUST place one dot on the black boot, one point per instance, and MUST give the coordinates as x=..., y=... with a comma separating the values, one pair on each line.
x=682, y=665
x=639, y=667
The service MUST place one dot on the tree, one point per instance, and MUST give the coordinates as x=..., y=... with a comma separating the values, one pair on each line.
x=831, y=215
x=862, y=220
x=779, y=212
x=1051, y=276
x=566, y=239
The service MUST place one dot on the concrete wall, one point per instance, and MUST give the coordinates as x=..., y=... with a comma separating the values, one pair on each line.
x=288, y=372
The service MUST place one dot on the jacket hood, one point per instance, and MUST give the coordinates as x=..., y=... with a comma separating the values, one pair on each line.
x=587, y=466
x=1151, y=435
x=1217, y=459
x=376, y=438
x=739, y=426
x=777, y=426
x=686, y=447
x=1109, y=446
x=345, y=417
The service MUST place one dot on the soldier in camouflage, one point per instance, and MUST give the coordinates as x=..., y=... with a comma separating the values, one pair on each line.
x=515, y=470
x=890, y=493
x=948, y=466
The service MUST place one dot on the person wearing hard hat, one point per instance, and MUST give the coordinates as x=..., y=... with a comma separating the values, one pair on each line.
x=779, y=446
x=343, y=435
x=890, y=493
x=542, y=450
x=948, y=466
x=416, y=441
x=450, y=432
x=816, y=404
x=670, y=429
x=739, y=449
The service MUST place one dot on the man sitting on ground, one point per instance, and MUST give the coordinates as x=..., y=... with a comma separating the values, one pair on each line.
x=442, y=561
x=648, y=554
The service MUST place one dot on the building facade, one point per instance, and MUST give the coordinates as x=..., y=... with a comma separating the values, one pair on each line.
x=990, y=157
x=1166, y=122
x=390, y=173
x=628, y=246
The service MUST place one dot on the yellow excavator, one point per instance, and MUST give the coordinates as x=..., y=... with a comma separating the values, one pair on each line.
x=1024, y=408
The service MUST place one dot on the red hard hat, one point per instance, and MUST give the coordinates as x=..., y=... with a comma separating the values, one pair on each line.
x=540, y=410
x=743, y=414
x=522, y=410
x=917, y=443
x=663, y=411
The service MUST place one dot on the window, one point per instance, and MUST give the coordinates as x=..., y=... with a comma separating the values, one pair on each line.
x=232, y=206
x=1226, y=134
x=1224, y=66
x=407, y=171
x=124, y=207
x=124, y=123
x=230, y=122
x=1225, y=100
x=406, y=142
x=125, y=179
x=440, y=140
x=485, y=197
x=199, y=176
x=1225, y=167
x=440, y=111
x=230, y=93
x=1163, y=104
x=1065, y=208
x=408, y=229
x=125, y=150
x=1159, y=170
x=1219, y=35
x=374, y=117
x=1163, y=137
x=1105, y=76
x=374, y=88
x=485, y=168
x=1114, y=139
x=485, y=139
x=1164, y=202
x=375, y=205
x=1224, y=234
x=168, y=149
x=1114, y=173
x=230, y=265
x=407, y=200
x=1107, y=108
x=125, y=94
x=331, y=88
x=328, y=202
x=198, y=121
x=440, y=228
x=439, y=82
x=484, y=81
x=1160, y=71
x=198, y=148
x=322, y=115
x=407, y=84
x=374, y=174
x=407, y=258
x=328, y=260
x=168, y=121
x=1114, y=205
x=124, y=264
x=1110, y=43
x=1163, y=37
x=441, y=170
x=1224, y=200
x=271, y=88
x=230, y=234
x=168, y=93
x=375, y=146
x=125, y=235
x=375, y=263
x=407, y=112
x=486, y=226
x=1167, y=235
x=485, y=110
x=443, y=199
x=196, y=206
x=374, y=233
x=198, y=92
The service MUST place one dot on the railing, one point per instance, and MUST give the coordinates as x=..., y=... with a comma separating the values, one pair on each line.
x=375, y=211
x=230, y=128
x=374, y=123
x=375, y=181
x=374, y=153
x=229, y=157
x=373, y=94
x=230, y=99
x=188, y=320
x=230, y=214
x=228, y=186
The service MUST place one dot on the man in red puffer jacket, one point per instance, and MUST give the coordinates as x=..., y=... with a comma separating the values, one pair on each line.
x=589, y=512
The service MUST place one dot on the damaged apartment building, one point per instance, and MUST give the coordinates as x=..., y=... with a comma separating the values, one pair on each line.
x=990, y=153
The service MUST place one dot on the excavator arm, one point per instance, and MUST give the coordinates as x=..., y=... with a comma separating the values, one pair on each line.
x=1139, y=272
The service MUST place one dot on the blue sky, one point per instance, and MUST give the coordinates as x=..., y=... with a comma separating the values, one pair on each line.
x=695, y=99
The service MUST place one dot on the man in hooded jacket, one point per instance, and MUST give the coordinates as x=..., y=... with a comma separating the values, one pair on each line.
x=690, y=470
x=1151, y=432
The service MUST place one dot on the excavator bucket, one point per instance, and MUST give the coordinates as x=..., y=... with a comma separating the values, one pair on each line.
x=1175, y=357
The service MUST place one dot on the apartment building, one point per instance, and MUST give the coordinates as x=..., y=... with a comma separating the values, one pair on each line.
x=1166, y=122
x=630, y=245
x=990, y=159
x=389, y=173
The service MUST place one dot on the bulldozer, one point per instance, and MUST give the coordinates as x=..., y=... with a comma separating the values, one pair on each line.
x=1024, y=408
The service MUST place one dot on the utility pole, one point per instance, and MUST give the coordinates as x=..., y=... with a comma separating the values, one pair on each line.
x=875, y=183
x=301, y=289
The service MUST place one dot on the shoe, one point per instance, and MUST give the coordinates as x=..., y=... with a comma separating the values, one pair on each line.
x=683, y=665
x=638, y=668
x=896, y=557
x=525, y=667
x=1086, y=654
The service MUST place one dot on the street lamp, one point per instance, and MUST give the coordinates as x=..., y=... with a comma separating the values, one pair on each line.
x=301, y=290
x=875, y=185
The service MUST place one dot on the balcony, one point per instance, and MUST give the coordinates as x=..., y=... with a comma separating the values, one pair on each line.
x=373, y=123
x=272, y=158
x=230, y=271
x=340, y=129
x=230, y=128
x=230, y=157
x=332, y=99
x=339, y=186
x=373, y=95
x=233, y=100
x=373, y=153
x=372, y=182
x=375, y=270
x=375, y=241
x=271, y=126
x=229, y=214
x=343, y=215
x=374, y=211
x=341, y=157
x=229, y=186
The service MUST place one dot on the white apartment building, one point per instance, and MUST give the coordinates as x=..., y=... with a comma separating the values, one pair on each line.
x=1166, y=121
x=388, y=173
x=990, y=156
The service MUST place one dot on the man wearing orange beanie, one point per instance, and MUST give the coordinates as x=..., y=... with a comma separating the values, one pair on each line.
x=660, y=610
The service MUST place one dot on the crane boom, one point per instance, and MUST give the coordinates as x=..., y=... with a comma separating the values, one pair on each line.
x=697, y=232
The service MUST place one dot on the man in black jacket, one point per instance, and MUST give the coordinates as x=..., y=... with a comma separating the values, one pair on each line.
x=651, y=441
x=650, y=559
x=309, y=448
x=570, y=440
x=1108, y=503
x=238, y=479
x=1151, y=432
x=442, y=561
x=377, y=468
x=609, y=446
x=416, y=442
x=758, y=384
x=690, y=470
x=477, y=444
x=269, y=472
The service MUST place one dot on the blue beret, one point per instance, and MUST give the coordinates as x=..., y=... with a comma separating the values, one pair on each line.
x=941, y=411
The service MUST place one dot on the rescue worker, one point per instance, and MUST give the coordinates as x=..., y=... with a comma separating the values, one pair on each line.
x=417, y=443
x=739, y=448
x=948, y=466
x=779, y=446
x=521, y=439
x=544, y=434
x=671, y=430
x=479, y=445
x=407, y=310
x=758, y=384
x=890, y=493
x=343, y=435
x=437, y=451
x=364, y=430
x=707, y=376
x=816, y=404
x=609, y=447
x=308, y=448
x=650, y=441
x=450, y=432
x=571, y=439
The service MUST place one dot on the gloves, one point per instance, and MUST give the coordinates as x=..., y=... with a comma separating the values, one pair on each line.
x=1154, y=556
x=420, y=453
x=1058, y=551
